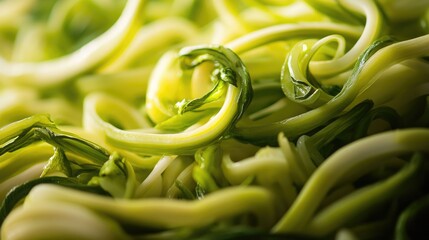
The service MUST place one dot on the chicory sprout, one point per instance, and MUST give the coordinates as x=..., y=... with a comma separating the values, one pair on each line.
x=217, y=119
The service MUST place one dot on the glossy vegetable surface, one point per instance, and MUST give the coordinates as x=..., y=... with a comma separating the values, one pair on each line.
x=214, y=119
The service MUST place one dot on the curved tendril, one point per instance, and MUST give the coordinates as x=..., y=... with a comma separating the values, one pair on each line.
x=298, y=84
x=370, y=65
x=283, y=32
x=355, y=157
x=55, y=71
x=344, y=210
x=371, y=32
x=236, y=100
x=412, y=215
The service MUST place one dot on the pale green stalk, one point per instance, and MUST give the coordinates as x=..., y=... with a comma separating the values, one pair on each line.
x=172, y=142
x=298, y=168
x=144, y=162
x=148, y=185
x=163, y=76
x=229, y=16
x=172, y=173
x=167, y=213
x=128, y=85
x=150, y=140
x=371, y=32
x=99, y=104
x=355, y=156
x=63, y=10
x=402, y=10
x=269, y=168
x=185, y=179
x=9, y=132
x=163, y=34
x=268, y=163
x=367, y=75
x=29, y=35
x=295, y=82
x=288, y=12
x=28, y=174
x=284, y=32
x=12, y=13
x=400, y=84
x=18, y=103
x=57, y=220
x=47, y=73
x=364, y=200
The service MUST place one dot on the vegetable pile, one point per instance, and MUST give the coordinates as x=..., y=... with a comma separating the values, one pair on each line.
x=221, y=119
